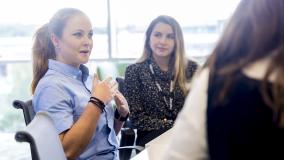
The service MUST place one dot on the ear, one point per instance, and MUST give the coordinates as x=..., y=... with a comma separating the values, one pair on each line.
x=55, y=40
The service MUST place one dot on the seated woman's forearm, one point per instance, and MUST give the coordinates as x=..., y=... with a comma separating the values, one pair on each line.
x=77, y=138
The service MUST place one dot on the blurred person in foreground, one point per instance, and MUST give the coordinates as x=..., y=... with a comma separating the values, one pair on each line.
x=235, y=109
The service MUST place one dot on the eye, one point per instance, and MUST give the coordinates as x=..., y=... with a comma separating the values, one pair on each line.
x=157, y=34
x=78, y=34
x=171, y=36
x=90, y=35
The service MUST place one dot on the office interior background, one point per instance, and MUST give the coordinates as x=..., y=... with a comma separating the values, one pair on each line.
x=119, y=27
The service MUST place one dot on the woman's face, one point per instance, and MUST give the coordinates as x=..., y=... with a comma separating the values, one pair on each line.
x=75, y=45
x=162, y=40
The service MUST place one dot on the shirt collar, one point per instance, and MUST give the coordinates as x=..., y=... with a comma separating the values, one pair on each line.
x=69, y=70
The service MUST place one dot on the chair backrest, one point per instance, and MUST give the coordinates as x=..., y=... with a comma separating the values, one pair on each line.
x=27, y=108
x=43, y=138
x=127, y=133
x=120, y=81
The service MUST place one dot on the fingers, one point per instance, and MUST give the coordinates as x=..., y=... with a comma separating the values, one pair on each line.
x=120, y=99
x=101, y=89
x=105, y=89
x=114, y=89
x=108, y=79
x=96, y=79
x=121, y=104
x=112, y=84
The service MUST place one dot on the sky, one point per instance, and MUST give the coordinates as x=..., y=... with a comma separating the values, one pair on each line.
x=125, y=11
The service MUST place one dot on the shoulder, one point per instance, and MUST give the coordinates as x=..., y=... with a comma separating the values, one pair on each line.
x=135, y=71
x=136, y=67
x=48, y=92
x=52, y=83
x=132, y=67
x=51, y=79
x=257, y=70
x=201, y=78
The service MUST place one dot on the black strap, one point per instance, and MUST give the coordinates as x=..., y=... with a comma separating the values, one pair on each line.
x=119, y=117
x=100, y=104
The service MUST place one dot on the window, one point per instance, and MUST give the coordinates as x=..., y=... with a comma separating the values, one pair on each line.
x=202, y=22
x=18, y=22
x=20, y=19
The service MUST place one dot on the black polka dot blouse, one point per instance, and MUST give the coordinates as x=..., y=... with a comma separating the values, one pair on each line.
x=149, y=105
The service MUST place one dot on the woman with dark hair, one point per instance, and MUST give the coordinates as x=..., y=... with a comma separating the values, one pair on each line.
x=236, y=106
x=157, y=84
x=78, y=103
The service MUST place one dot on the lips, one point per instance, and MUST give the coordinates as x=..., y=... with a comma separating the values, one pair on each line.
x=162, y=49
x=85, y=51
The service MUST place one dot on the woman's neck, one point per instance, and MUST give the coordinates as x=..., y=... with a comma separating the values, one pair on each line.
x=162, y=62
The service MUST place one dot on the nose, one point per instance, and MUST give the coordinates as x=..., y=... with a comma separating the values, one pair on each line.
x=163, y=40
x=87, y=41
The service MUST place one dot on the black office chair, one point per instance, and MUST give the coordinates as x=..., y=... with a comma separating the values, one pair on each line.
x=127, y=132
x=27, y=108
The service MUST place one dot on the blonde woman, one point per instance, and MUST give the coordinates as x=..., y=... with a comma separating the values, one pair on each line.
x=77, y=102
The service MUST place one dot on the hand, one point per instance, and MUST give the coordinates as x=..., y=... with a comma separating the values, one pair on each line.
x=102, y=89
x=121, y=103
x=114, y=86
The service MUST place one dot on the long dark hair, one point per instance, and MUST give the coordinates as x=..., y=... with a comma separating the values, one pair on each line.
x=43, y=48
x=255, y=31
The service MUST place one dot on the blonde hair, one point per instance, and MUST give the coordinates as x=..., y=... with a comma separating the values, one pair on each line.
x=43, y=48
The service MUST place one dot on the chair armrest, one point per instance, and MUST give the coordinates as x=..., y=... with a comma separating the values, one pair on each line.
x=18, y=104
x=139, y=148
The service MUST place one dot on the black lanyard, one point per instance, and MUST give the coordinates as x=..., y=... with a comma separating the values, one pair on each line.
x=170, y=105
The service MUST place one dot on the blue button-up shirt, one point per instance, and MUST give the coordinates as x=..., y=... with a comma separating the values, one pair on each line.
x=63, y=92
